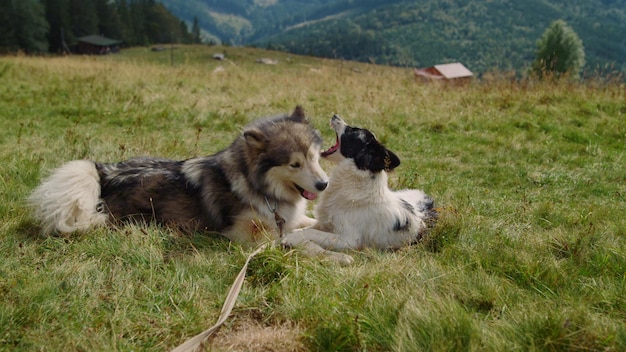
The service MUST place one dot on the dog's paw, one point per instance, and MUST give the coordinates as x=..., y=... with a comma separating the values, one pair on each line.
x=339, y=258
x=286, y=242
x=297, y=239
x=292, y=239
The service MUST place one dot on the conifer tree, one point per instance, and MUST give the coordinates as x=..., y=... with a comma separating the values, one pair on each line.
x=8, y=42
x=108, y=19
x=83, y=17
x=60, y=33
x=30, y=26
x=126, y=27
x=195, y=31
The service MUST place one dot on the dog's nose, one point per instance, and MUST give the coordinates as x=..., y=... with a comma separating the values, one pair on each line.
x=321, y=186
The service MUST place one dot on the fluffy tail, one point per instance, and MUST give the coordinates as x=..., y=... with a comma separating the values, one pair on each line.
x=68, y=200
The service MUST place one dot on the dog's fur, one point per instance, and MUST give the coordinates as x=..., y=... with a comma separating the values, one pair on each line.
x=358, y=210
x=241, y=192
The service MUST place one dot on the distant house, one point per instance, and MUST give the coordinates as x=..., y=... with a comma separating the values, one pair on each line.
x=454, y=71
x=97, y=45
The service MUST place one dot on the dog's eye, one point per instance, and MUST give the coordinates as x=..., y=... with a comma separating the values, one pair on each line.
x=295, y=165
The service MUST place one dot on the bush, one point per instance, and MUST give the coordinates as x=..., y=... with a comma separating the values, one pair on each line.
x=560, y=52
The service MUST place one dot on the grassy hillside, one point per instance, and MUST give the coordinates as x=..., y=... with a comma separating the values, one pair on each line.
x=529, y=253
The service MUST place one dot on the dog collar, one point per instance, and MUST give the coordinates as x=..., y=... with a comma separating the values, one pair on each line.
x=280, y=221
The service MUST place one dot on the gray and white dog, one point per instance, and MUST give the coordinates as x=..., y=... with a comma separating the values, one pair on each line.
x=249, y=192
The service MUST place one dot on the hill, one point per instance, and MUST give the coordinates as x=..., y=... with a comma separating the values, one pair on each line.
x=528, y=253
x=483, y=35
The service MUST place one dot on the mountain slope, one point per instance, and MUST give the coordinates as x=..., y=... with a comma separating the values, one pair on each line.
x=483, y=35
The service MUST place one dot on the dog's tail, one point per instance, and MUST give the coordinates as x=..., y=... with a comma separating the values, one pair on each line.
x=68, y=200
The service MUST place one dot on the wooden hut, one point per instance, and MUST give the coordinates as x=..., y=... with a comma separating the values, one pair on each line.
x=97, y=45
x=444, y=72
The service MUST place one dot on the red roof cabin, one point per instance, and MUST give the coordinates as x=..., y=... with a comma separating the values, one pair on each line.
x=444, y=72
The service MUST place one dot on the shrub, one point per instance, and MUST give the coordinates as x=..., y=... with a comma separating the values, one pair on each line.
x=559, y=52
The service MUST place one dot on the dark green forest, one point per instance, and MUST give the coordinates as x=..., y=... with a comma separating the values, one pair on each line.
x=40, y=26
x=484, y=35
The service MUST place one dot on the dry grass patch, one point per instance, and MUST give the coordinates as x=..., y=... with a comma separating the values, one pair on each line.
x=250, y=335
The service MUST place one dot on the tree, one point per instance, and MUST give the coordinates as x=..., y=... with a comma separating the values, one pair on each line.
x=57, y=14
x=109, y=23
x=8, y=41
x=185, y=35
x=31, y=27
x=195, y=31
x=137, y=12
x=559, y=52
x=83, y=17
x=23, y=26
x=161, y=25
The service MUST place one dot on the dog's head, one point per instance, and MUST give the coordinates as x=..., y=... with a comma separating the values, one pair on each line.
x=285, y=151
x=360, y=146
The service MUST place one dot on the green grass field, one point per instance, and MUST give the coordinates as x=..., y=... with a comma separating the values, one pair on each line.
x=529, y=253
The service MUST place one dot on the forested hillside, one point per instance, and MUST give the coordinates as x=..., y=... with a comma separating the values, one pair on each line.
x=495, y=35
x=37, y=26
x=483, y=35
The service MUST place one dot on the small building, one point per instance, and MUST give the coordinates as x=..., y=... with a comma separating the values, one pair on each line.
x=97, y=45
x=448, y=72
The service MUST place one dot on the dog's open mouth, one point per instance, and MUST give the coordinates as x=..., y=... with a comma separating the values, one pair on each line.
x=332, y=149
x=306, y=194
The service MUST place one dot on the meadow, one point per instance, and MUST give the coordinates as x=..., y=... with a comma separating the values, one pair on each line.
x=529, y=253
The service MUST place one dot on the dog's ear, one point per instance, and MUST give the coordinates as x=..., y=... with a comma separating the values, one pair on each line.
x=255, y=138
x=390, y=160
x=298, y=115
x=377, y=159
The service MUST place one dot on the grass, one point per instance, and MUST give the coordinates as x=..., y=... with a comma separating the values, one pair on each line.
x=529, y=253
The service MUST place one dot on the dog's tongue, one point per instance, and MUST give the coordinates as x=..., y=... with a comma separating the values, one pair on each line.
x=309, y=195
x=332, y=149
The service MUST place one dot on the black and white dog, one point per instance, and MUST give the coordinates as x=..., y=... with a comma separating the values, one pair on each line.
x=358, y=210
